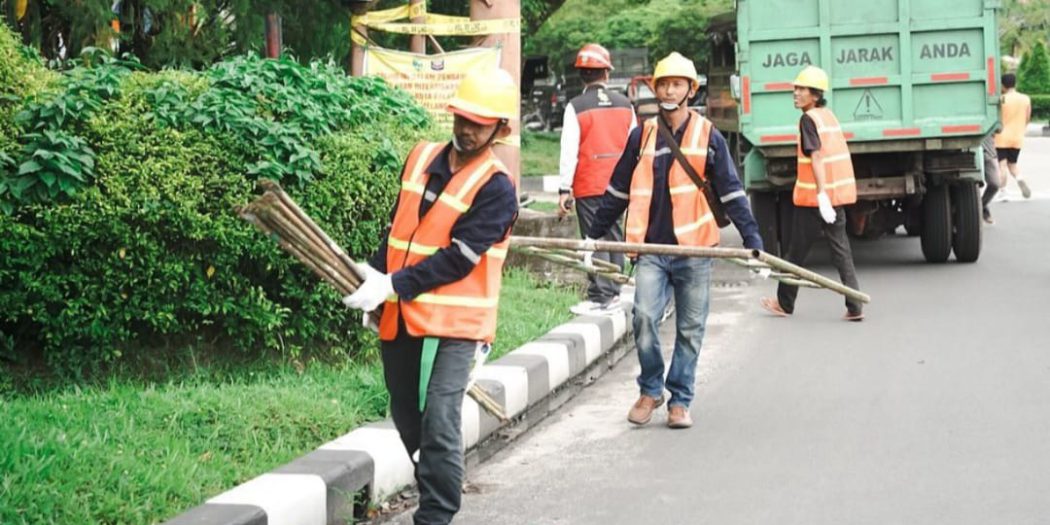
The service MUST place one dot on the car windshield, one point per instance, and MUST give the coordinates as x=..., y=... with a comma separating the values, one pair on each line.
x=644, y=91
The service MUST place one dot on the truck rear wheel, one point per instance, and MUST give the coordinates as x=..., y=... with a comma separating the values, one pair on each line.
x=936, y=224
x=966, y=239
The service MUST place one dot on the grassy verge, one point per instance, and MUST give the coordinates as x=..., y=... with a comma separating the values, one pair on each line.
x=128, y=452
x=539, y=153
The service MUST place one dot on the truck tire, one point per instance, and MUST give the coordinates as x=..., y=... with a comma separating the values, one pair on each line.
x=764, y=207
x=936, y=224
x=966, y=204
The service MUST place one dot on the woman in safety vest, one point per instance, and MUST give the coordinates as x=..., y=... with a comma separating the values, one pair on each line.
x=824, y=185
x=437, y=273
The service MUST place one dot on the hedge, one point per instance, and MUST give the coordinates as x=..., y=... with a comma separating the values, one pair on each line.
x=1040, y=107
x=120, y=237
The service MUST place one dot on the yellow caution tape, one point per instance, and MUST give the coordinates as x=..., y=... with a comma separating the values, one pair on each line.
x=464, y=27
x=20, y=9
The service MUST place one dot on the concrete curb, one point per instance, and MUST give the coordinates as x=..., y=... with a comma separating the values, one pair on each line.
x=334, y=483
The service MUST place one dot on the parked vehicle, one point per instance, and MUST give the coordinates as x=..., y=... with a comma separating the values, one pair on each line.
x=914, y=84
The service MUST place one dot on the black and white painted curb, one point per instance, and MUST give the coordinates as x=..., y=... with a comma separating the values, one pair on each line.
x=370, y=464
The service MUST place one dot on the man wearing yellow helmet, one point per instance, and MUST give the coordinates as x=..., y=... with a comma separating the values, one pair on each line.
x=824, y=185
x=437, y=274
x=666, y=204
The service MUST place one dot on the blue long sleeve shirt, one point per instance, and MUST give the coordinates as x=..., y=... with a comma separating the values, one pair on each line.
x=720, y=171
x=489, y=218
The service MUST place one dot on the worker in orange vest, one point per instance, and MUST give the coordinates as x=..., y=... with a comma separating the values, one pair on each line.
x=1017, y=113
x=593, y=134
x=824, y=185
x=666, y=206
x=437, y=275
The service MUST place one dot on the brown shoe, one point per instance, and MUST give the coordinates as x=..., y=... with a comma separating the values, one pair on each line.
x=642, y=411
x=854, y=317
x=678, y=417
x=773, y=306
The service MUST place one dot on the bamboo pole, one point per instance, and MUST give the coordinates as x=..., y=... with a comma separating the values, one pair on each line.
x=277, y=216
x=694, y=251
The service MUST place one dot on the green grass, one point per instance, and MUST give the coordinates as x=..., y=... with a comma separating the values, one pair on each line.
x=544, y=206
x=539, y=153
x=134, y=452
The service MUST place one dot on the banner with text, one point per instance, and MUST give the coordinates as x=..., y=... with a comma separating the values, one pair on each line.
x=431, y=79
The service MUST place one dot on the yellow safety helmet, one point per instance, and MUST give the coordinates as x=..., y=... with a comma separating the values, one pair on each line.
x=676, y=65
x=812, y=77
x=486, y=96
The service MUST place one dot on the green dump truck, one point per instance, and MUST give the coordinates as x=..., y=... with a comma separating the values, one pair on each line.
x=914, y=84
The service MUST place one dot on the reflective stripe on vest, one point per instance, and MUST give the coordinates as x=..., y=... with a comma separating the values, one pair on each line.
x=694, y=224
x=465, y=309
x=839, y=182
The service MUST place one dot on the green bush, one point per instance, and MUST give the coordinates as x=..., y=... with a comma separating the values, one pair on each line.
x=1033, y=75
x=146, y=251
x=1040, y=107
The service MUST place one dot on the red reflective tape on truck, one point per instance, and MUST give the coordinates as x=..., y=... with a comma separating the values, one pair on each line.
x=991, y=77
x=902, y=132
x=747, y=94
x=963, y=128
x=868, y=81
x=778, y=138
x=949, y=77
x=848, y=135
x=779, y=86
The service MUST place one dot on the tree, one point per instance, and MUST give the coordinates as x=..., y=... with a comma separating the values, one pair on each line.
x=1022, y=23
x=1034, y=72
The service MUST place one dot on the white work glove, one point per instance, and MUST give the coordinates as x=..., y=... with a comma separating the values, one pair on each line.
x=762, y=273
x=588, y=253
x=376, y=288
x=827, y=212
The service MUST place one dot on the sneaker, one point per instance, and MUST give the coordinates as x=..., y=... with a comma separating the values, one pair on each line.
x=610, y=307
x=678, y=417
x=583, y=307
x=642, y=411
x=1025, y=190
x=773, y=306
x=987, y=215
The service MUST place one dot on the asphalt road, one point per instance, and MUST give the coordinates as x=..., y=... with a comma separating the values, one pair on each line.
x=935, y=409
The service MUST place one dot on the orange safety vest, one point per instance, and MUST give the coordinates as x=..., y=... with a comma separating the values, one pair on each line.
x=839, y=183
x=465, y=309
x=694, y=224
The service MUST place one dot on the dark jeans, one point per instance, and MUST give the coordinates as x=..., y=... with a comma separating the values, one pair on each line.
x=436, y=432
x=805, y=229
x=991, y=171
x=599, y=289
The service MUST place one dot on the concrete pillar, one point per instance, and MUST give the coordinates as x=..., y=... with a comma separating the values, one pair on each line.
x=510, y=60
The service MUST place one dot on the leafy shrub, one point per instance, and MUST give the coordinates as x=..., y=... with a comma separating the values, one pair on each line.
x=1033, y=75
x=1040, y=107
x=145, y=250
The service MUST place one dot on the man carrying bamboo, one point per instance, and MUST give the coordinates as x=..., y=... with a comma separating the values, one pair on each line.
x=437, y=274
x=666, y=205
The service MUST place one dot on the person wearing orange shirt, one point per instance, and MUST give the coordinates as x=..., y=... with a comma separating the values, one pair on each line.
x=1016, y=114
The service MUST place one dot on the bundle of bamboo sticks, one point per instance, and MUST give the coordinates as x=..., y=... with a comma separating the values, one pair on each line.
x=280, y=218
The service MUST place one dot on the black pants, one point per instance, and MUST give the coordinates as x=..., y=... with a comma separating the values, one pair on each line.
x=599, y=289
x=435, y=433
x=805, y=229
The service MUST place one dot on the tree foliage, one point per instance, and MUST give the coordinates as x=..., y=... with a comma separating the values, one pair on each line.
x=1022, y=23
x=660, y=25
x=1034, y=72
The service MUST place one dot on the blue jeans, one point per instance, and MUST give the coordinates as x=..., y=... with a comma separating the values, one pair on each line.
x=656, y=277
